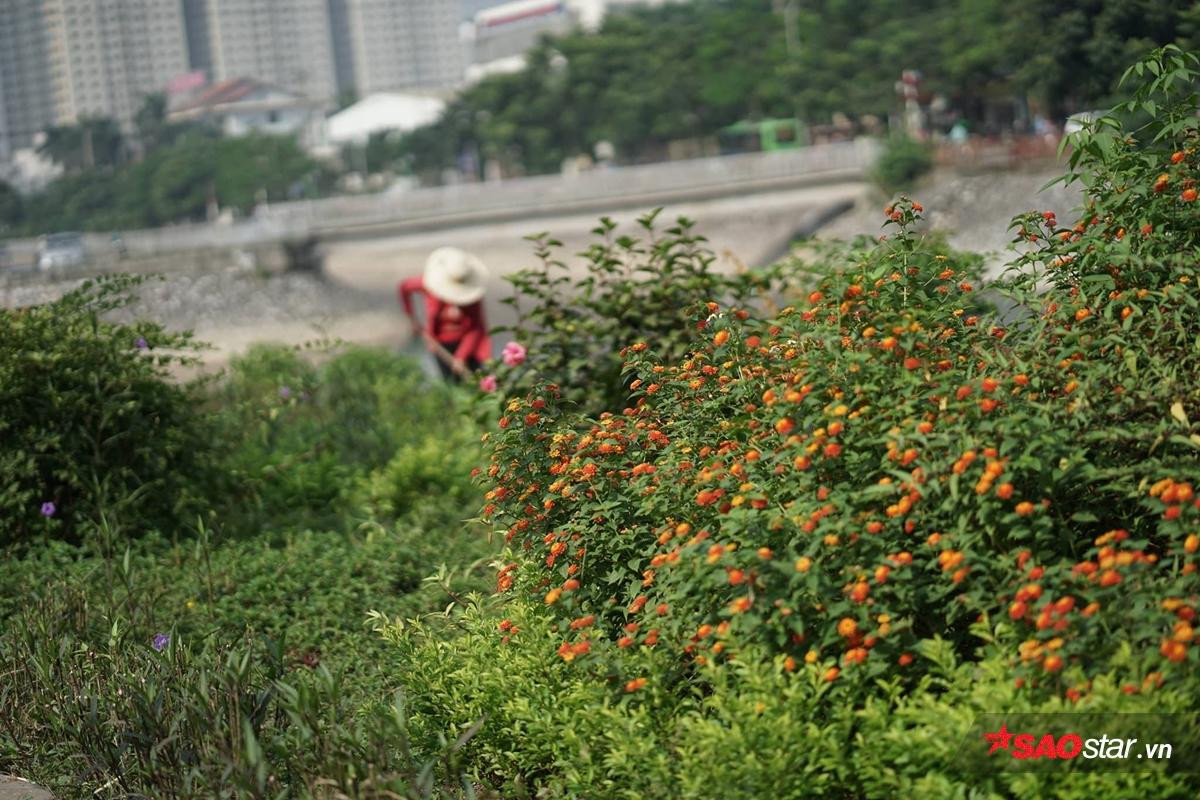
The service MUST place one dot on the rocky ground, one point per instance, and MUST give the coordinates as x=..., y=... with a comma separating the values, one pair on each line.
x=973, y=210
x=12, y=788
x=233, y=309
x=233, y=297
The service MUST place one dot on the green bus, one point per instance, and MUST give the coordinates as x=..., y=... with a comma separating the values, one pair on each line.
x=762, y=136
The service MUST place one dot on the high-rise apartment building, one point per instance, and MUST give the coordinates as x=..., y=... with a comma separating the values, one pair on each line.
x=400, y=44
x=61, y=60
x=6, y=144
x=26, y=92
x=343, y=52
x=288, y=43
x=105, y=56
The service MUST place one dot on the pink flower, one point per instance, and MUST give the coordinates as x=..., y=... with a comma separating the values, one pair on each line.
x=488, y=383
x=514, y=354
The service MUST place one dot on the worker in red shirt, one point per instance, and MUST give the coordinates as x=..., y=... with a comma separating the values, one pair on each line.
x=453, y=283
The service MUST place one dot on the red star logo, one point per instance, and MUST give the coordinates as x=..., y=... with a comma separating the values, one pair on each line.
x=999, y=740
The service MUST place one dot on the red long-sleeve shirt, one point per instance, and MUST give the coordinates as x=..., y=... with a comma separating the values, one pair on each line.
x=448, y=323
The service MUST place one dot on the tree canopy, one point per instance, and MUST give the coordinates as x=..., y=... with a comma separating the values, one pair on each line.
x=177, y=182
x=94, y=142
x=684, y=71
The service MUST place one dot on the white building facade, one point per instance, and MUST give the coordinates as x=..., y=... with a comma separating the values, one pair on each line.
x=497, y=37
x=385, y=112
x=107, y=55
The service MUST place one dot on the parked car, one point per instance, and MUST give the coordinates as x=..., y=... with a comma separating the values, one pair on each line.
x=58, y=250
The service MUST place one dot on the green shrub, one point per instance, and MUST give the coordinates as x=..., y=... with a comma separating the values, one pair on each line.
x=645, y=287
x=877, y=468
x=422, y=479
x=92, y=427
x=272, y=685
x=539, y=727
x=901, y=163
x=885, y=464
x=307, y=435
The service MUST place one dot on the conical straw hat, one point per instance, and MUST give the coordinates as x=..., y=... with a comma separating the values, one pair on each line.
x=454, y=276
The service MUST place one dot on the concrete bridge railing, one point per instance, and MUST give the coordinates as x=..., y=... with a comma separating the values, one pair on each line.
x=281, y=226
x=606, y=187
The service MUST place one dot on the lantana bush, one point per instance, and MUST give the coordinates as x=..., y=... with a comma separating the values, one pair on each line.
x=887, y=484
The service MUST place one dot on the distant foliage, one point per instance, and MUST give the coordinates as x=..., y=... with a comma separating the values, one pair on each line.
x=684, y=71
x=178, y=182
x=901, y=162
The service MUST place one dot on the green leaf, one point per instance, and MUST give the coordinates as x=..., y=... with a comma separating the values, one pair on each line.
x=1131, y=362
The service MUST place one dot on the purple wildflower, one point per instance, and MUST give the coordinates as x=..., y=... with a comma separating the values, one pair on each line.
x=141, y=343
x=48, y=509
x=285, y=392
x=161, y=640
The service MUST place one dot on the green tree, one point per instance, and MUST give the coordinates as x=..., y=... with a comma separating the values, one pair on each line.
x=12, y=208
x=181, y=180
x=153, y=129
x=175, y=183
x=259, y=167
x=94, y=142
x=675, y=72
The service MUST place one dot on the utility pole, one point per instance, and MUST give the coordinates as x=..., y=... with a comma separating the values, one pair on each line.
x=788, y=9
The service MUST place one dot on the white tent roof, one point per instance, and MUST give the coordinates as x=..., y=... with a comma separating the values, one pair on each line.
x=386, y=111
